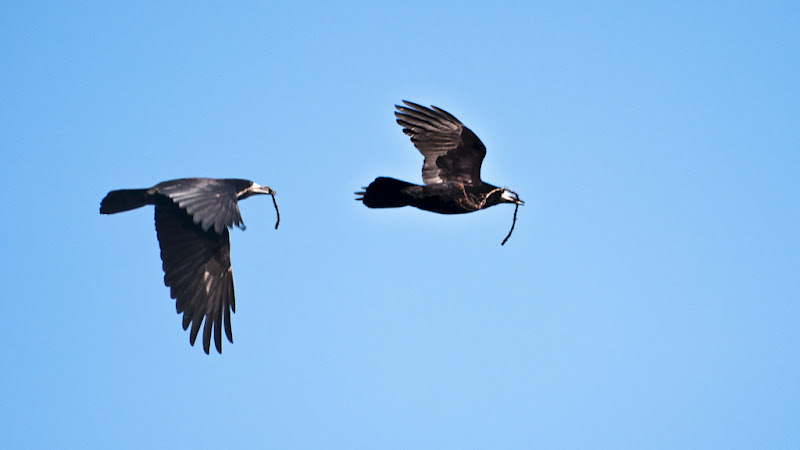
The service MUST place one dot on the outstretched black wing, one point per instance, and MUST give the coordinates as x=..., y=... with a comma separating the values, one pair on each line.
x=209, y=201
x=197, y=269
x=452, y=151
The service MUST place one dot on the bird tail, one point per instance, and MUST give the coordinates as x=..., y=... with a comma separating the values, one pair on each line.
x=124, y=200
x=385, y=193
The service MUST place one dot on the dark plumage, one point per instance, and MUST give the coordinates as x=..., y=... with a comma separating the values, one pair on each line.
x=192, y=220
x=451, y=171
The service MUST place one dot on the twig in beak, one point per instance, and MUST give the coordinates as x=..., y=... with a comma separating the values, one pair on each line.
x=512, y=225
x=279, y=213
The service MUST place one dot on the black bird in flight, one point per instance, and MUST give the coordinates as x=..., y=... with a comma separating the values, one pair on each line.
x=192, y=220
x=451, y=171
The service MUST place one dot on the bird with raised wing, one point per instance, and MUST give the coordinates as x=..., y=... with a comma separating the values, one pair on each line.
x=192, y=219
x=451, y=170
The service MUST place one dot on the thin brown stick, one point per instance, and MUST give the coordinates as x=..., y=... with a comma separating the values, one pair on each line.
x=279, y=213
x=512, y=225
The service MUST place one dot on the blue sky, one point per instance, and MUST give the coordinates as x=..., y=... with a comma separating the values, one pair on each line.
x=648, y=298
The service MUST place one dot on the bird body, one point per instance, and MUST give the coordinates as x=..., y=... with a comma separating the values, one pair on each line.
x=192, y=217
x=449, y=197
x=451, y=170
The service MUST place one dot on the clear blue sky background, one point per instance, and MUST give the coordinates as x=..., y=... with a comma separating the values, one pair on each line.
x=648, y=298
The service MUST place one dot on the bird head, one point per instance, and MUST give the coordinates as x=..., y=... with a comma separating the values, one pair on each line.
x=256, y=189
x=509, y=196
x=259, y=189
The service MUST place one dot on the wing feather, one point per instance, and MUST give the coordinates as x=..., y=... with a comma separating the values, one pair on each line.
x=228, y=306
x=452, y=151
x=197, y=268
x=210, y=202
